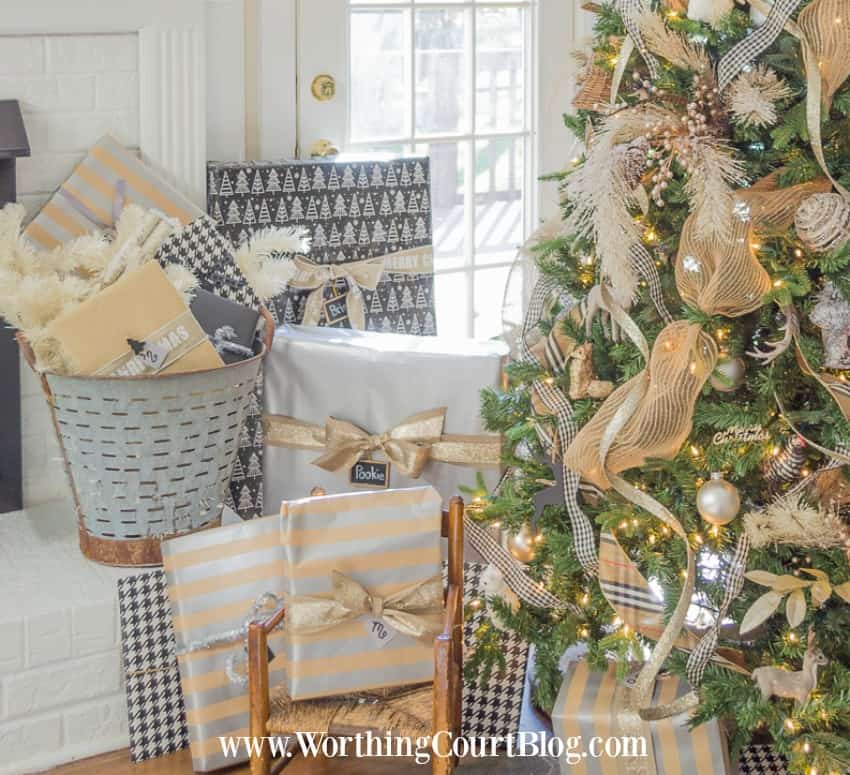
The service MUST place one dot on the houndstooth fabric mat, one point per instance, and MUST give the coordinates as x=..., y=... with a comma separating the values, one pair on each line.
x=761, y=760
x=155, y=710
x=200, y=248
x=493, y=709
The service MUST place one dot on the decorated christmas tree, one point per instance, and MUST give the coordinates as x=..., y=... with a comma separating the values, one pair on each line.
x=677, y=415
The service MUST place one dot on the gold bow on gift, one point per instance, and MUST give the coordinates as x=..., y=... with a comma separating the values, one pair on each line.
x=408, y=445
x=405, y=611
x=361, y=275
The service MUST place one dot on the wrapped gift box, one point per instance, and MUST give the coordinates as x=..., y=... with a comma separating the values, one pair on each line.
x=106, y=180
x=144, y=308
x=214, y=581
x=353, y=211
x=386, y=542
x=421, y=391
x=586, y=707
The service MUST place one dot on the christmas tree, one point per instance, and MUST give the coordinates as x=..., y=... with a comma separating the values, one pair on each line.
x=677, y=414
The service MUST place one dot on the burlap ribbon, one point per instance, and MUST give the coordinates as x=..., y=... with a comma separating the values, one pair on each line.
x=361, y=275
x=409, y=445
x=720, y=276
x=658, y=422
x=406, y=611
x=657, y=398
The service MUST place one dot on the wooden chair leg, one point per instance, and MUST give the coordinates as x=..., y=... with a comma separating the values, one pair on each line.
x=258, y=689
x=441, y=763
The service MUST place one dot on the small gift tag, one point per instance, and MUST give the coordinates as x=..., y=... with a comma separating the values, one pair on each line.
x=370, y=473
x=379, y=632
x=336, y=310
x=151, y=355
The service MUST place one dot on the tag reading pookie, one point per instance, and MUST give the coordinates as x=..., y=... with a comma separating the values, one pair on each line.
x=370, y=473
x=378, y=631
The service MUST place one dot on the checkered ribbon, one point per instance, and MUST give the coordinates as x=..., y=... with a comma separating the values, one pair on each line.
x=631, y=11
x=750, y=48
x=643, y=262
x=584, y=539
x=529, y=591
x=557, y=403
x=704, y=651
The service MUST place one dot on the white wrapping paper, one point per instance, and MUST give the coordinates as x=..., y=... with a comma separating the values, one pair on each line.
x=374, y=381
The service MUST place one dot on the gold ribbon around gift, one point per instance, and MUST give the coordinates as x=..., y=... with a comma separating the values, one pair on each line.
x=406, y=610
x=409, y=445
x=361, y=275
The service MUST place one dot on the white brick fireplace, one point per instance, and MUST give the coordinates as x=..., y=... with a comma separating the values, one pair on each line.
x=80, y=69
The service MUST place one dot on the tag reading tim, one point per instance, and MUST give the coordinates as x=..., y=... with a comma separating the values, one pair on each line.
x=336, y=310
x=379, y=632
x=370, y=473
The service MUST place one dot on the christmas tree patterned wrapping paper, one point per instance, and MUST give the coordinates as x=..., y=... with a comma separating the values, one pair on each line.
x=353, y=212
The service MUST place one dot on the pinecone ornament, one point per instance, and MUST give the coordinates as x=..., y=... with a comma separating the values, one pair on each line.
x=823, y=222
x=635, y=161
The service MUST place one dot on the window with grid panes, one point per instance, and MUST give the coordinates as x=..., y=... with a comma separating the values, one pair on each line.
x=452, y=80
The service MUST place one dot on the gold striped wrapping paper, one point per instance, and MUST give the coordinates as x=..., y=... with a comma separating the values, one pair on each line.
x=587, y=707
x=86, y=202
x=214, y=578
x=385, y=541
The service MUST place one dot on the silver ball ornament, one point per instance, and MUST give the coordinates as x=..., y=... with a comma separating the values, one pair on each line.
x=728, y=375
x=718, y=501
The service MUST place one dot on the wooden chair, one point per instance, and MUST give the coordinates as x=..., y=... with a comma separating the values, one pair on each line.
x=445, y=710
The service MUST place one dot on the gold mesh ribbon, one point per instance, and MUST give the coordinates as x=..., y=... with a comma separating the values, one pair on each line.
x=772, y=208
x=407, y=611
x=720, y=276
x=649, y=416
x=409, y=445
x=659, y=421
x=361, y=275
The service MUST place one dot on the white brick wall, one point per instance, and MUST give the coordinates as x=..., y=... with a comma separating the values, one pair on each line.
x=72, y=89
x=61, y=686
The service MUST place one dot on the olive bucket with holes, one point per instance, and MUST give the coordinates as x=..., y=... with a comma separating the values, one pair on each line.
x=149, y=458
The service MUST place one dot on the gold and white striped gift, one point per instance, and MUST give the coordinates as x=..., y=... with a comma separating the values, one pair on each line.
x=109, y=177
x=214, y=578
x=385, y=541
x=587, y=708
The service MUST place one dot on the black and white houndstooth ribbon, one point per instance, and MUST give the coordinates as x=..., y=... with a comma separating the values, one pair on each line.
x=744, y=53
x=704, y=651
x=631, y=11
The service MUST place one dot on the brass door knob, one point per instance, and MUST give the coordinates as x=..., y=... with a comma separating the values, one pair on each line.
x=324, y=87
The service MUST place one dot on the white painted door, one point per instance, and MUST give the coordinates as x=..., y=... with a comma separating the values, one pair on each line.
x=476, y=86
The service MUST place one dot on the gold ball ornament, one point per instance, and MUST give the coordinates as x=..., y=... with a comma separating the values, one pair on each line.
x=728, y=375
x=520, y=545
x=718, y=501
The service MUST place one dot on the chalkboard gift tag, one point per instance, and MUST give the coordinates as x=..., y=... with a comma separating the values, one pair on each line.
x=374, y=474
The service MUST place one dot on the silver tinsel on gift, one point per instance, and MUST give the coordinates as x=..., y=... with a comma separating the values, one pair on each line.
x=832, y=315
